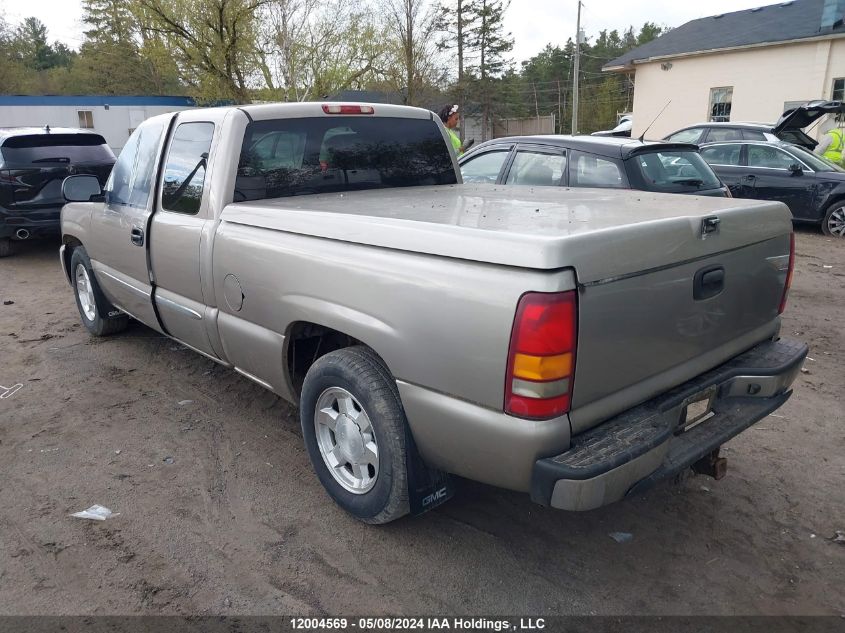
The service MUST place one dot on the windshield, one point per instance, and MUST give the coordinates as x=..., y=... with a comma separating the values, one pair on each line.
x=671, y=171
x=817, y=163
x=288, y=157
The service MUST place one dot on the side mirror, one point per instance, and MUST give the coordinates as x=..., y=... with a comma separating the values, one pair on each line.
x=796, y=169
x=82, y=188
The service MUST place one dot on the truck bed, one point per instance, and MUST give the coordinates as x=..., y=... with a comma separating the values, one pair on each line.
x=636, y=256
x=540, y=228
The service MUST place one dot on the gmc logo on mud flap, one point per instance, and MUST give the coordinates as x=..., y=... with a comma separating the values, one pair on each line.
x=437, y=496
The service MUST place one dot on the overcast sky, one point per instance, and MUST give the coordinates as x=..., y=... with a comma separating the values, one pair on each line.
x=534, y=23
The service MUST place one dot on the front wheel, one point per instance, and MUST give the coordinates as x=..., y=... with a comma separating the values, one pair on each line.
x=833, y=223
x=355, y=434
x=93, y=306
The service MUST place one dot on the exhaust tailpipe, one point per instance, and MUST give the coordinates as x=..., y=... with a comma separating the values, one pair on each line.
x=22, y=234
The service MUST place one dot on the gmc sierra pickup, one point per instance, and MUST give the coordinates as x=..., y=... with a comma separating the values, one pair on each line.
x=575, y=345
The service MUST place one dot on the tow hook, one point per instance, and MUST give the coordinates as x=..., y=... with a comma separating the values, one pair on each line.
x=712, y=465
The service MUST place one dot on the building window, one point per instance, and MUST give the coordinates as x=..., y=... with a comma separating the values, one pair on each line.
x=838, y=90
x=720, y=103
x=86, y=119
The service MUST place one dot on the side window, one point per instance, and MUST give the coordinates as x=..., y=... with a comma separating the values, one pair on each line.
x=588, y=170
x=691, y=135
x=534, y=168
x=184, y=171
x=484, y=168
x=118, y=186
x=145, y=165
x=722, y=154
x=717, y=134
x=769, y=157
x=753, y=135
x=133, y=174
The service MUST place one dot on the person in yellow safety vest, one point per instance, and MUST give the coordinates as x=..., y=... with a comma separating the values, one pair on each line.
x=832, y=145
x=449, y=115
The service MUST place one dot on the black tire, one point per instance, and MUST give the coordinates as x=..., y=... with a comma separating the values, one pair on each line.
x=5, y=246
x=361, y=372
x=828, y=226
x=101, y=324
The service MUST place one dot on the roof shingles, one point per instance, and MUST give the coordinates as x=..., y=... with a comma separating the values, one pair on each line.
x=774, y=23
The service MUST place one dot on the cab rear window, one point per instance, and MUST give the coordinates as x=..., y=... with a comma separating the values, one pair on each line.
x=288, y=157
x=36, y=149
x=670, y=171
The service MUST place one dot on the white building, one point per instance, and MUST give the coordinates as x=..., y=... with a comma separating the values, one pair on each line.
x=111, y=116
x=743, y=66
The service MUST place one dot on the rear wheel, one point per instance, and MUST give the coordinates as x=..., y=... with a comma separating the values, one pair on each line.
x=355, y=433
x=834, y=220
x=94, y=308
x=5, y=246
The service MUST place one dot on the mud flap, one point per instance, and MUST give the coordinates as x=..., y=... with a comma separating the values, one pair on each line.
x=427, y=487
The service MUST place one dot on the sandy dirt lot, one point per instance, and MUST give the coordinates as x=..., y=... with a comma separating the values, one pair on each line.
x=220, y=512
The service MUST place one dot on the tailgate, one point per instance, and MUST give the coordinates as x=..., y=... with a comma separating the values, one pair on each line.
x=641, y=333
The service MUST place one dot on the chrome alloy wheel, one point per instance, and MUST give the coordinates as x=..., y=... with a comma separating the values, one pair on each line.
x=346, y=440
x=85, y=293
x=836, y=222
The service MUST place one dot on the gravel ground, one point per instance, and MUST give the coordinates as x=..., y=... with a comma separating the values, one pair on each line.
x=220, y=512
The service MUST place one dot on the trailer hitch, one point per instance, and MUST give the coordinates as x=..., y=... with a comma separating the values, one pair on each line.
x=712, y=465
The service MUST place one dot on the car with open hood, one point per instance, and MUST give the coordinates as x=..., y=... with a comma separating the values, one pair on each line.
x=788, y=128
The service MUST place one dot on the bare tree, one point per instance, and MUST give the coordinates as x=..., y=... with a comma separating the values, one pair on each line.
x=414, y=25
x=315, y=48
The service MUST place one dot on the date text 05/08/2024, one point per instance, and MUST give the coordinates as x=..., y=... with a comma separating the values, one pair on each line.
x=411, y=623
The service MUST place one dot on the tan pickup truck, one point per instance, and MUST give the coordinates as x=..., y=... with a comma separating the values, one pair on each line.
x=575, y=345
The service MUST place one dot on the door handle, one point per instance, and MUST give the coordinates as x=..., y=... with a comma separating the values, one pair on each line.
x=708, y=282
x=137, y=236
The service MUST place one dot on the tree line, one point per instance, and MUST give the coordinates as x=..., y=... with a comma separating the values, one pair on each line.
x=418, y=52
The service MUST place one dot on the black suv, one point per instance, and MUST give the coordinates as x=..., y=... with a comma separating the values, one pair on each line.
x=33, y=164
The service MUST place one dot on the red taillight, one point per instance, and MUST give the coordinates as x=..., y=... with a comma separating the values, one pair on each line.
x=332, y=108
x=541, y=358
x=788, y=283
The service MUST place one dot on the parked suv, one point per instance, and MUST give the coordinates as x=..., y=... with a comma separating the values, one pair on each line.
x=789, y=128
x=33, y=164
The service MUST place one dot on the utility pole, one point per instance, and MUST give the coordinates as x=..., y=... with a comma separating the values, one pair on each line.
x=575, y=78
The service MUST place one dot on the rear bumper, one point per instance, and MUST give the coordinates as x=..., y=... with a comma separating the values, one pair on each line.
x=638, y=448
x=47, y=222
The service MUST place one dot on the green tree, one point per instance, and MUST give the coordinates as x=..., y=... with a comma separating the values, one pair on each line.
x=214, y=42
x=488, y=39
x=109, y=21
x=456, y=21
x=115, y=58
x=34, y=51
x=12, y=71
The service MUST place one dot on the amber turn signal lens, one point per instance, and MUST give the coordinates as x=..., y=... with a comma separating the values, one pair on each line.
x=542, y=368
